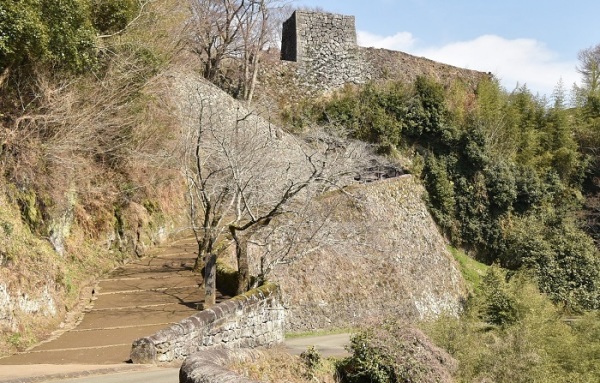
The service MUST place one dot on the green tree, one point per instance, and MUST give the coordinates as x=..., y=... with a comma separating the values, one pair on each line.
x=440, y=193
x=111, y=16
x=58, y=33
x=426, y=117
x=498, y=306
x=563, y=259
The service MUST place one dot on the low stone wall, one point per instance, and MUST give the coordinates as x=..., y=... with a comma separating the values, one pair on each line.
x=211, y=366
x=253, y=319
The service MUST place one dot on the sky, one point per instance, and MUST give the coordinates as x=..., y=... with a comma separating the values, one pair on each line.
x=522, y=42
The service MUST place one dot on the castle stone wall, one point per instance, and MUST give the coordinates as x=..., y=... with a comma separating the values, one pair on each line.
x=324, y=51
x=324, y=46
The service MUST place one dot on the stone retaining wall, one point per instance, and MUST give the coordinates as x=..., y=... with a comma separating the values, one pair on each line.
x=401, y=270
x=249, y=320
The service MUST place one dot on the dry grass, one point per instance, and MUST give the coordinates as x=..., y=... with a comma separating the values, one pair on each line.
x=277, y=365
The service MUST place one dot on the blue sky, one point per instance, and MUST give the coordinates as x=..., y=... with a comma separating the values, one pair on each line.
x=532, y=42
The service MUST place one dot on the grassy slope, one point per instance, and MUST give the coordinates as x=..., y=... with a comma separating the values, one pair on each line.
x=471, y=270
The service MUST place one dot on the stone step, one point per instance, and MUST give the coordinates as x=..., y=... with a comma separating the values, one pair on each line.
x=136, y=300
x=145, y=272
x=151, y=283
x=99, y=338
x=173, y=312
x=186, y=296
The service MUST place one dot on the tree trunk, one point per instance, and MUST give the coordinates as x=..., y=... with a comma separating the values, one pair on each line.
x=205, y=246
x=210, y=280
x=246, y=79
x=199, y=262
x=252, y=81
x=241, y=252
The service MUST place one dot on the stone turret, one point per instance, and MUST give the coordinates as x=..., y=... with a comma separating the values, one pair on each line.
x=324, y=46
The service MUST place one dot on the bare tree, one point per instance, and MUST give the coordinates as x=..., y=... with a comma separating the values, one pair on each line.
x=243, y=174
x=589, y=68
x=215, y=31
x=312, y=223
x=261, y=29
x=235, y=29
x=254, y=37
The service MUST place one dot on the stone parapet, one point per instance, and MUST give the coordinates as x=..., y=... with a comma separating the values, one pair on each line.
x=256, y=318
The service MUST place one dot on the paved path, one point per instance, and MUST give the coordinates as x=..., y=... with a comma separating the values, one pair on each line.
x=136, y=300
x=155, y=375
x=327, y=345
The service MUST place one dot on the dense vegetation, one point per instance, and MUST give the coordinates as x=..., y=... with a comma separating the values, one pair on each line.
x=504, y=171
x=508, y=333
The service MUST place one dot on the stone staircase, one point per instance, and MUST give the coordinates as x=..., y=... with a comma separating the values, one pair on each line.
x=135, y=300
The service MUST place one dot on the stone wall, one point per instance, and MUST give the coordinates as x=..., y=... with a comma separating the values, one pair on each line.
x=249, y=320
x=384, y=65
x=211, y=366
x=325, y=51
x=385, y=258
x=324, y=46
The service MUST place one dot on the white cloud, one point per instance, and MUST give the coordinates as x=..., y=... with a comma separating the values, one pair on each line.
x=522, y=61
x=401, y=41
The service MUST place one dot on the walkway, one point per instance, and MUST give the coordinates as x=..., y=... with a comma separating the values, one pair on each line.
x=332, y=345
x=136, y=300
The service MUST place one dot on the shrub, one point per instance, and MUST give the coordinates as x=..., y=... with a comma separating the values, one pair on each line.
x=532, y=344
x=393, y=352
x=312, y=360
x=48, y=32
x=110, y=16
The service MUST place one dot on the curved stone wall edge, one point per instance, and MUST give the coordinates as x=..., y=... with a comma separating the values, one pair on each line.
x=253, y=319
x=210, y=367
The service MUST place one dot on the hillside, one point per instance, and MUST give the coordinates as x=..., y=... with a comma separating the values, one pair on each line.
x=142, y=204
x=383, y=254
x=94, y=165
